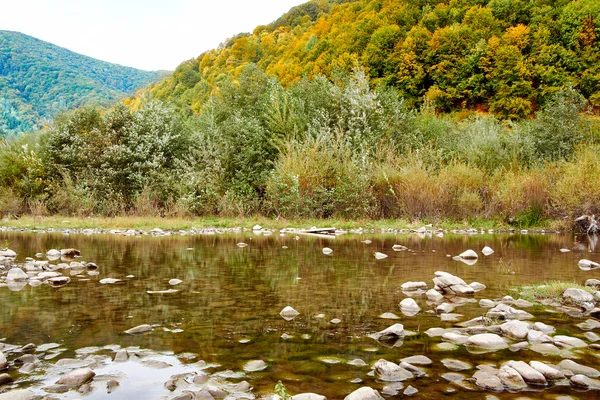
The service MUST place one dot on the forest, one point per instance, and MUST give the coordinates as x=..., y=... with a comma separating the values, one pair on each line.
x=423, y=110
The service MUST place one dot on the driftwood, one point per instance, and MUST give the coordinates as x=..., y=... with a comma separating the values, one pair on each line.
x=587, y=224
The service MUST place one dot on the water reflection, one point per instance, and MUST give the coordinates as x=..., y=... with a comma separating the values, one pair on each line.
x=226, y=310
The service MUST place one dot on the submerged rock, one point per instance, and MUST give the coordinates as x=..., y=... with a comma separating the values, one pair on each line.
x=175, y=282
x=388, y=371
x=417, y=360
x=504, y=311
x=585, y=382
x=254, y=366
x=18, y=394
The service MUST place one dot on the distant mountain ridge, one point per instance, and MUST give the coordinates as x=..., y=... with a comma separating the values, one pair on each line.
x=39, y=79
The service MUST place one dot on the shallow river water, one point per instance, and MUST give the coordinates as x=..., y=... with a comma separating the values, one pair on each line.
x=226, y=311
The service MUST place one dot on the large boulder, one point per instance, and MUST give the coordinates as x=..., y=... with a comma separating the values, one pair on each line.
x=450, y=284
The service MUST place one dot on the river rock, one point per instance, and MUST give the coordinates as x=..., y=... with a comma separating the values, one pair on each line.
x=174, y=282
x=455, y=338
x=308, y=396
x=121, y=356
x=529, y=374
x=568, y=342
x=580, y=297
x=578, y=369
x=486, y=251
x=109, y=281
x=445, y=308
x=486, y=303
x=587, y=265
x=545, y=348
x=380, y=256
x=417, y=360
x=409, y=306
x=288, y=313
x=477, y=287
x=515, y=329
x=548, y=371
x=390, y=334
x=70, y=253
x=593, y=283
x=511, y=379
x=589, y=324
x=19, y=394
x=16, y=274
x=364, y=393
x=255, y=365
x=3, y=361
x=412, y=286
x=486, y=342
x=456, y=365
x=389, y=315
x=434, y=295
x=327, y=251
x=388, y=371
x=357, y=362
x=58, y=280
x=139, y=329
x=409, y=391
x=8, y=253
x=5, y=379
x=534, y=336
x=450, y=284
x=547, y=329
x=468, y=254
x=585, y=382
x=488, y=381
x=77, y=377
x=504, y=311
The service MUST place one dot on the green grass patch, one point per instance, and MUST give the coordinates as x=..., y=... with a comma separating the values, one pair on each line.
x=549, y=291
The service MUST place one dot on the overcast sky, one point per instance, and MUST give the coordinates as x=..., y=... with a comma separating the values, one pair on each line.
x=145, y=34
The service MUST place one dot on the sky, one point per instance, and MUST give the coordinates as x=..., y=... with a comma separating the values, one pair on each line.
x=145, y=34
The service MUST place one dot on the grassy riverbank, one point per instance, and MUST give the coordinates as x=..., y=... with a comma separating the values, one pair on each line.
x=146, y=223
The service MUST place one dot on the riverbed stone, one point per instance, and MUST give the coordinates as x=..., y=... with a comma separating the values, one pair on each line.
x=288, y=313
x=77, y=377
x=486, y=342
x=546, y=349
x=175, y=281
x=450, y=284
x=409, y=306
x=568, y=342
x=548, y=371
x=357, y=362
x=593, y=283
x=505, y=311
x=580, y=297
x=388, y=371
x=534, y=336
x=547, y=329
x=121, y=356
x=455, y=338
x=364, y=393
x=468, y=254
x=409, y=391
x=511, y=379
x=16, y=274
x=5, y=379
x=456, y=365
x=390, y=334
x=8, y=253
x=255, y=365
x=591, y=336
x=434, y=295
x=417, y=360
x=587, y=265
x=412, y=286
x=389, y=315
x=585, y=382
x=139, y=329
x=477, y=287
x=19, y=394
x=529, y=374
x=445, y=308
x=488, y=381
x=578, y=369
x=515, y=329
x=3, y=361
x=589, y=325
x=450, y=317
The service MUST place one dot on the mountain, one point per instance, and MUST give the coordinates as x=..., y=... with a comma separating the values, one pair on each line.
x=503, y=56
x=39, y=79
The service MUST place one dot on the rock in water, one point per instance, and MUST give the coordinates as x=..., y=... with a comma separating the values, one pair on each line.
x=70, y=253
x=288, y=313
x=450, y=284
x=364, y=393
x=308, y=396
x=468, y=255
x=587, y=265
x=389, y=334
x=7, y=253
x=20, y=394
x=3, y=361
x=486, y=342
x=139, y=329
x=380, y=256
x=579, y=297
x=486, y=251
x=174, y=282
x=16, y=274
x=327, y=251
x=77, y=377
x=53, y=253
x=255, y=365
x=390, y=372
x=409, y=305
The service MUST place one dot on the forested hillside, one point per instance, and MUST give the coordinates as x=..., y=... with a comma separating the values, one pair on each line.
x=39, y=79
x=505, y=56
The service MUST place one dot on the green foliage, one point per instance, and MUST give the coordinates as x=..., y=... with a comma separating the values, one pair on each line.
x=38, y=80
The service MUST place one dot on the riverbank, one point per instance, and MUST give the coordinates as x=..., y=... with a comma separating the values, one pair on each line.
x=177, y=224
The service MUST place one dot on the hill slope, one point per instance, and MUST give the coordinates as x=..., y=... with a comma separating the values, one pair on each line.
x=506, y=56
x=38, y=79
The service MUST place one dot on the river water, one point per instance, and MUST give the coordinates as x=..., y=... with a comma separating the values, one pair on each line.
x=226, y=311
